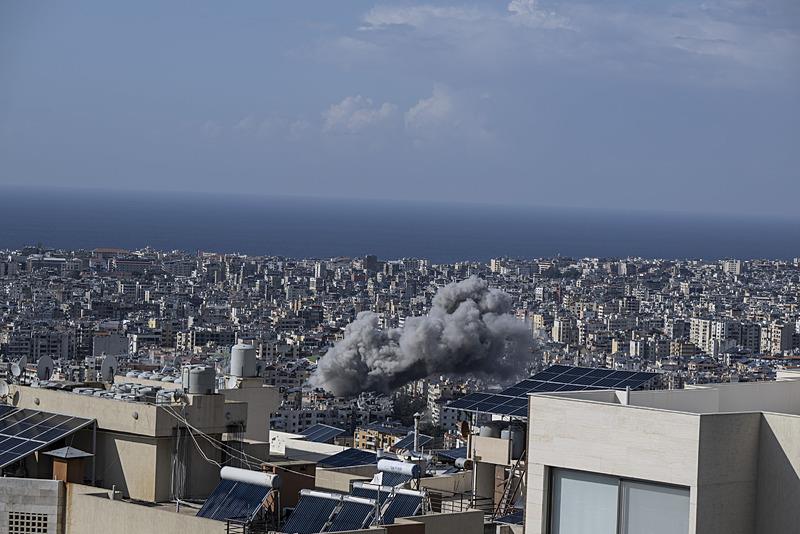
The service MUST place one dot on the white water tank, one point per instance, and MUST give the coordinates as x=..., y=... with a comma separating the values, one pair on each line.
x=243, y=360
x=401, y=468
x=517, y=437
x=490, y=430
x=198, y=379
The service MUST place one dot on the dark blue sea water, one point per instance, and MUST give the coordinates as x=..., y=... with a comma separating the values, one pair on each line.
x=301, y=227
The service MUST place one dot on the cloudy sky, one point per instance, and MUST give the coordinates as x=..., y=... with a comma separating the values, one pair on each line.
x=669, y=105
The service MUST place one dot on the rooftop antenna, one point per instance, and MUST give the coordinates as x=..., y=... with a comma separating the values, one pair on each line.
x=417, y=417
x=44, y=368
x=108, y=369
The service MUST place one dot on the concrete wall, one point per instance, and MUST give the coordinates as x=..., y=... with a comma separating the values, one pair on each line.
x=727, y=472
x=261, y=402
x=89, y=511
x=778, y=497
x=782, y=396
x=777, y=396
x=489, y=450
x=25, y=495
x=470, y=522
x=339, y=479
x=697, y=401
x=453, y=483
x=625, y=441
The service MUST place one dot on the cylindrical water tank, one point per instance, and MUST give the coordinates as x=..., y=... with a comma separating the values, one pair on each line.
x=463, y=463
x=402, y=468
x=201, y=380
x=490, y=430
x=517, y=437
x=260, y=478
x=243, y=360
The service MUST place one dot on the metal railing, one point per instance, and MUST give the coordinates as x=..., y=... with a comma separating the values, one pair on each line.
x=445, y=501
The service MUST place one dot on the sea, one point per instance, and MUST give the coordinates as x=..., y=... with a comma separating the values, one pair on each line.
x=324, y=228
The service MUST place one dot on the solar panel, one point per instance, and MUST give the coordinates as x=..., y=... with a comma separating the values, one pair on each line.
x=311, y=514
x=394, y=479
x=354, y=514
x=349, y=458
x=233, y=500
x=320, y=433
x=24, y=431
x=453, y=454
x=407, y=443
x=513, y=400
x=370, y=491
x=401, y=504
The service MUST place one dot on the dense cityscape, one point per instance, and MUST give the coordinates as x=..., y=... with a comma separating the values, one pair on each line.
x=693, y=321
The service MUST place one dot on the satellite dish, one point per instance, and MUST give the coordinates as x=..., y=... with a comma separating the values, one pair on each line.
x=233, y=382
x=44, y=368
x=3, y=388
x=19, y=367
x=108, y=369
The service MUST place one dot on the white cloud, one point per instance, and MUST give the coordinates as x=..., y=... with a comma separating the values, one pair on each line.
x=443, y=115
x=382, y=17
x=247, y=124
x=432, y=111
x=354, y=114
x=734, y=41
x=529, y=13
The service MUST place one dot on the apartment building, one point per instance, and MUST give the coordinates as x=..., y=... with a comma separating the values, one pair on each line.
x=709, y=459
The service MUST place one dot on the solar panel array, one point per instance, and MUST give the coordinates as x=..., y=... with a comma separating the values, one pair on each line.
x=407, y=443
x=353, y=515
x=233, y=500
x=402, y=505
x=394, y=479
x=23, y=431
x=320, y=433
x=513, y=400
x=311, y=514
x=370, y=491
x=349, y=458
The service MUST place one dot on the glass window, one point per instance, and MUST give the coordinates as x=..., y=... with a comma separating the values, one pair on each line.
x=584, y=503
x=589, y=503
x=654, y=509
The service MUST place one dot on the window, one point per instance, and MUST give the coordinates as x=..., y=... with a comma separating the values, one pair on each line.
x=589, y=503
x=654, y=509
x=584, y=503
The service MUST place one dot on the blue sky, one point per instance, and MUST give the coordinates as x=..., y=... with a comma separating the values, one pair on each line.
x=667, y=105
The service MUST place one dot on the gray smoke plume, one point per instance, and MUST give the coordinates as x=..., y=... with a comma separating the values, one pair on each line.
x=468, y=331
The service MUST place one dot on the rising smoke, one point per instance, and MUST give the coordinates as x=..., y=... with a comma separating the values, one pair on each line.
x=468, y=331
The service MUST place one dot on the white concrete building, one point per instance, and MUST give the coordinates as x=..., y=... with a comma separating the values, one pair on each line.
x=716, y=459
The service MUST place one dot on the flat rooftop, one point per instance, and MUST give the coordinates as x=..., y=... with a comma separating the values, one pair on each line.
x=778, y=396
